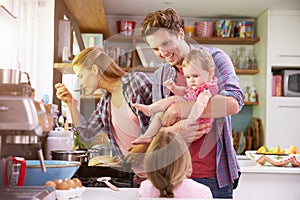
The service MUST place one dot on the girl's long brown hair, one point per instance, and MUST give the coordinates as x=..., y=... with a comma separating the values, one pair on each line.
x=167, y=162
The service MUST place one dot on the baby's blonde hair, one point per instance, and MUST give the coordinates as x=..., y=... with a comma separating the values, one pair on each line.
x=199, y=57
x=167, y=162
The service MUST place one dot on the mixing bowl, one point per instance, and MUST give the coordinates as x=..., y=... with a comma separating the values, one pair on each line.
x=56, y=169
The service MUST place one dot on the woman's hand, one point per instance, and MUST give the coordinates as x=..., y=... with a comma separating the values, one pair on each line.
x=62, y=93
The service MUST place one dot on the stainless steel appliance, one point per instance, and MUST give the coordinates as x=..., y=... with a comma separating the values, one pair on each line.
x=20, y=134
x=28, y=193
x=20, y=130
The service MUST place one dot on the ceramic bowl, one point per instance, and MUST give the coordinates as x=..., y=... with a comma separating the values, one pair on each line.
x=55, y=169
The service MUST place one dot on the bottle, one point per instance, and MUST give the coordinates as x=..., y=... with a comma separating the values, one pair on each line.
x=234, y=58
x=252, y=60
x=242, y=59
x=252, y=94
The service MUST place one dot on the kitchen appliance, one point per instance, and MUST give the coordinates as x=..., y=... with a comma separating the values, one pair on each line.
x=291, y=82
x=28, y=193
x=20, y=131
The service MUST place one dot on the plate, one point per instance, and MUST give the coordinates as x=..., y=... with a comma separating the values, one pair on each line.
x=278, y=160
x=69, y=194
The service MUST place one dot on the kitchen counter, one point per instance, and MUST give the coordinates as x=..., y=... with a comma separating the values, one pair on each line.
x=266, y=182
x=93, y=193
x=256, y=182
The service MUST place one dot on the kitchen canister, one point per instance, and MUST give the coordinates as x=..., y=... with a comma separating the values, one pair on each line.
x=59, y=140
x=204, y=29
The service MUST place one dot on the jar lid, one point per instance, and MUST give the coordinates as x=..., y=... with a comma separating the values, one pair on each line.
x=60, y=133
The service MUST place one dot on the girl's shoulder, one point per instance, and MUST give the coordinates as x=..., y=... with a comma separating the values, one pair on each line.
x=189, y=188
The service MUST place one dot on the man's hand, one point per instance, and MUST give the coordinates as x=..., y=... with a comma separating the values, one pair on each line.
x=136, y=153
x=191, y=133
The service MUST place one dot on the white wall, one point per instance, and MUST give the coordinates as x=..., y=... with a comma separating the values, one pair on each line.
x=42, y=69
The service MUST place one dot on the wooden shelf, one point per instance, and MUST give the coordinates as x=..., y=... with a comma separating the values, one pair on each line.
x=227, y=41
x=140, y=69
x=64, y=68
x=246, y=71
x=89, y=15
x=201, y=40
x=251, y=103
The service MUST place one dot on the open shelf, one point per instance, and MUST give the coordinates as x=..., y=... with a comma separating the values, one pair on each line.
x=251, y=103
x=201, y=40
x=246, y=71
x=223, y=40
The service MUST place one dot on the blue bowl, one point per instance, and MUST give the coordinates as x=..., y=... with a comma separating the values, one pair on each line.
x=55, y=169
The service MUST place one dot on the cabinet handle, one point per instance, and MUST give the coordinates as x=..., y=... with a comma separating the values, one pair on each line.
x=292, y=56
x=288, y=106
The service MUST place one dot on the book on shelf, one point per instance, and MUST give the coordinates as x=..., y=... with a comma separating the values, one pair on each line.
x=277, y=85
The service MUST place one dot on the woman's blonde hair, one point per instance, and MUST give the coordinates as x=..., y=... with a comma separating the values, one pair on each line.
x=199, y=57
x=167, y=162
x=95, y=55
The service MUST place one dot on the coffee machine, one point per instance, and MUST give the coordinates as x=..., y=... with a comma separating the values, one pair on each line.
x=20, y=131
x=21, y=134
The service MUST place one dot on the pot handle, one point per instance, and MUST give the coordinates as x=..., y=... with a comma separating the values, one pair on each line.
x=28, y=78
x=82, y=156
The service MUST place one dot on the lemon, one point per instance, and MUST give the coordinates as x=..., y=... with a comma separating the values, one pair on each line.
x=293, y=149
x=262, y=149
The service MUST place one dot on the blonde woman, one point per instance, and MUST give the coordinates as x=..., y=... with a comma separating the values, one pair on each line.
x=114, y=114
x=168, y=166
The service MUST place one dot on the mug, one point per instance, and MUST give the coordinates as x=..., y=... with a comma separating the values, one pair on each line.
x=14, y=171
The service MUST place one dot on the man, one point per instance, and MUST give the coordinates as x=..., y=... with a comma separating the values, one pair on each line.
x=213, y=156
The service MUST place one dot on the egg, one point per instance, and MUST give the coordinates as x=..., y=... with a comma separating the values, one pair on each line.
x=77, y=182
x=71, y=183
x=64, y=185
x=51, y=183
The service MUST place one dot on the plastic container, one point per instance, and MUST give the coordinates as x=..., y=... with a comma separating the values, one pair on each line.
x=59, y=140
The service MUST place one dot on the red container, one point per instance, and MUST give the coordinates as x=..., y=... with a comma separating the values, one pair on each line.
x=125, y=27
x=204, y=29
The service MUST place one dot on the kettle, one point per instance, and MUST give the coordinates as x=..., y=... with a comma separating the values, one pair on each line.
x=14, y=171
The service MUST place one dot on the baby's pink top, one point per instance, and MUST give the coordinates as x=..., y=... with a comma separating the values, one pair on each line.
x=188, y=188
x=191, y=95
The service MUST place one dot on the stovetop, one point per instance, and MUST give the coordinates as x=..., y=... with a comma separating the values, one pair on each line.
x=118, y=182
x=120, y=177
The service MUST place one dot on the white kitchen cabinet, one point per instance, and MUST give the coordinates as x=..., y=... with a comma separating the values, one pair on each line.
x=266, y=182
x=283, y=51
x=284, y=122
x=284, y=41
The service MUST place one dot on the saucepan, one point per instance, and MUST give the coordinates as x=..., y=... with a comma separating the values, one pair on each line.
x=70, y=155
x=12, y=76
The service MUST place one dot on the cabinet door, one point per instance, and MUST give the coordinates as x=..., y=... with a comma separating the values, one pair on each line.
x=284, y=38
x=283, y=122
